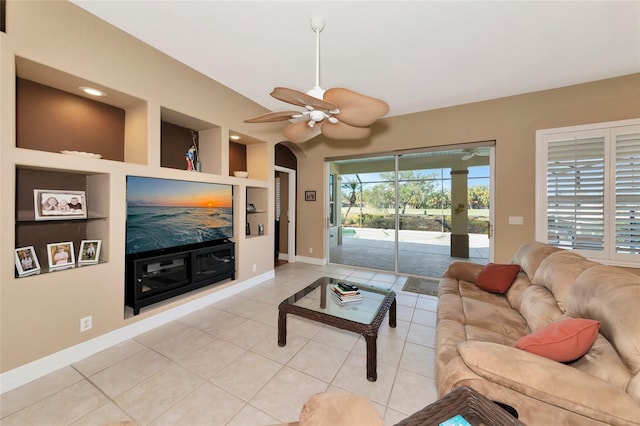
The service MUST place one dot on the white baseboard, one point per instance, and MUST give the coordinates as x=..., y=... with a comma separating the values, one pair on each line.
x=311, y=260
x=41, y=367
x=283, y=256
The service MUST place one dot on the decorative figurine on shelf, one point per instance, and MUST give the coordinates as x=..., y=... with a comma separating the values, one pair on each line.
x=191, y=156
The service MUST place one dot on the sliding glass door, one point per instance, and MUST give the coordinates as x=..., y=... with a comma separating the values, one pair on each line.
x=366, y=218
x=413, y=213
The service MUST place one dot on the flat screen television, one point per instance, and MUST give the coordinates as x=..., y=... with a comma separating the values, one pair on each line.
x=165, y=214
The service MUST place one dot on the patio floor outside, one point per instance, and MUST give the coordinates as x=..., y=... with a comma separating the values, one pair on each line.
x=420, y=253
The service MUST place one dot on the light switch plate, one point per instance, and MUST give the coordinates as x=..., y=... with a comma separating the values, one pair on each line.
x=516, y=220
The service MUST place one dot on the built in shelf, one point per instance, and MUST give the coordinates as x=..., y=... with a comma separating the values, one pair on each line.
x=46, y=270
x=26, y=216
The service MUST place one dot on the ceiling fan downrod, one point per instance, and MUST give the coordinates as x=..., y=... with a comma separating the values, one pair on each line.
x=317, y=25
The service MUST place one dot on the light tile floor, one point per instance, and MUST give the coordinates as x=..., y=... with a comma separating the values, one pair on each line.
x=221, y=365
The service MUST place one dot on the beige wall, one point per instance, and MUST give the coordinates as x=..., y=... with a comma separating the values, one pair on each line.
x=40, y=315
x=511, y=122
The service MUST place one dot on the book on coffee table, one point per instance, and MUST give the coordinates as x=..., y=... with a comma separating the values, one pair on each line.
x=345, y=289
x=347, y=298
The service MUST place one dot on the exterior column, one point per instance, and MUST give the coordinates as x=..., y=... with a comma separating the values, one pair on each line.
x=459, y=214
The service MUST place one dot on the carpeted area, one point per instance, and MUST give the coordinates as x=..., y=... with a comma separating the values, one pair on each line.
x=422, y=286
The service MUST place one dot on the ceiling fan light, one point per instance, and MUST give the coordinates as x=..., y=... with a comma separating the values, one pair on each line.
x=333, y=120
x=317, y=115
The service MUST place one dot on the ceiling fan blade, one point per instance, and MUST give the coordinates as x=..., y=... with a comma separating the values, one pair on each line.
x=301, y=99
x=356, y=109
x=300, y=132
x=273, y=116
x=341, y=130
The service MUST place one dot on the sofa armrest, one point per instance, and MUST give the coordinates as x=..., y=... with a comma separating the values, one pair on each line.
x=465, y=271
x=549, y=381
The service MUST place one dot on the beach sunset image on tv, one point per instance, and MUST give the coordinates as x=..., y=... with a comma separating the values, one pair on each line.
x=164, y=213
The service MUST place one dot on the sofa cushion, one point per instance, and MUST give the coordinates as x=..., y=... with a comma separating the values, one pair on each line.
x=496, y=278
x=576, y=391
x=514, y=294
x=539, y=307
x=498, y=319
x=563, y=341
x=559, y=271
x=612, y=296
x=464, y=271
x=530, y=254
x=603, y=361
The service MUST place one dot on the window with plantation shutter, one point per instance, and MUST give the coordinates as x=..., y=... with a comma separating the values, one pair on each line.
x=588, y=190
x=575, y=193
x=627, y=189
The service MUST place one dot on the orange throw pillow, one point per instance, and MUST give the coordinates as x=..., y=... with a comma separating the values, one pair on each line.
x=497, y=278
x=562, y=341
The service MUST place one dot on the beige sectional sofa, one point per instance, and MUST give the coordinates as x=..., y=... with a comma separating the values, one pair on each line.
x=477, y=330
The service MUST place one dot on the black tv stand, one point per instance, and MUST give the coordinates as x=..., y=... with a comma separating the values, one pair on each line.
x=157, y=276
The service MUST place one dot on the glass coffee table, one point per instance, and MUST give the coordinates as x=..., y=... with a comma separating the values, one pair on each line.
x=317, y=302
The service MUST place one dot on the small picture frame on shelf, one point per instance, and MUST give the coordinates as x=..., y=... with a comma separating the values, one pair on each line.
x=89, y=252
x=26, y=261
x=251, y=208
x=49, y=204
x=61, y=255
x=309, y=195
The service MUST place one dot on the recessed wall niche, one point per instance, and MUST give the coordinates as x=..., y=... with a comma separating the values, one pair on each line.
x=237, y=157
x=30, y=232
x=49, y=119
x=176, y=141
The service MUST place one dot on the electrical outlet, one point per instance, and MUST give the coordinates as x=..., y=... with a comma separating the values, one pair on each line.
x=310, y=250
x=86, y=323
x=255, y=268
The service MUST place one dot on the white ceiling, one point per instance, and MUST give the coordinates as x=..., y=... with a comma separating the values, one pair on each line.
x=415, y=55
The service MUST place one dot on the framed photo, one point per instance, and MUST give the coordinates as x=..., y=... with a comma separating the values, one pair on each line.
x=309, y=195
x=26, y=261
x=89, y=252
x=61, y=255
x=50, y=204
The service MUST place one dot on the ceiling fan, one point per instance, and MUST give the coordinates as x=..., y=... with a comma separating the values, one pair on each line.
x=337, y=113
x=470, y=153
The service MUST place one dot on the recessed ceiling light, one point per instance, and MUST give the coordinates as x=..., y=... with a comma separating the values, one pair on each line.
x=234, y=137
x=91, y=91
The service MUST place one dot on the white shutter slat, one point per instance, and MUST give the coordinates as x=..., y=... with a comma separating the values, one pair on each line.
x=627, y=203
x=575, y=193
